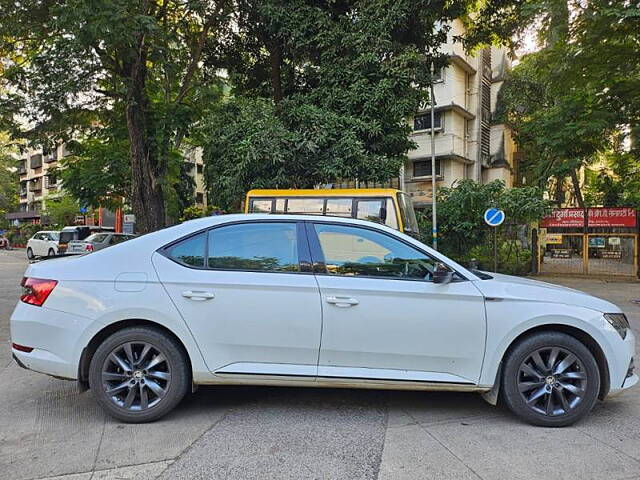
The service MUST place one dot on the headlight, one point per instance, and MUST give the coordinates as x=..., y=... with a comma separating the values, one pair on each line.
x=619, y=322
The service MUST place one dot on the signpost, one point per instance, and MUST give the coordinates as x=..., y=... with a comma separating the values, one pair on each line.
x=494, y=218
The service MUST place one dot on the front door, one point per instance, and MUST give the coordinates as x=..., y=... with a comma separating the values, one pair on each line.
x=383, y=317
x=241, y=290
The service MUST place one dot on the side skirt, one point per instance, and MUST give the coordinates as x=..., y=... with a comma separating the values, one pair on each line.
x=333, y=382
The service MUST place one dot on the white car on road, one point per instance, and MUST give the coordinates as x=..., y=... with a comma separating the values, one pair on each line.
x=310, y=301
x=43, y=244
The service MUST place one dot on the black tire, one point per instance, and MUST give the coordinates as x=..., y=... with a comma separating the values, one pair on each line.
x=30, y=255
x=175, y=363
x=51, y=252
x=551, y=398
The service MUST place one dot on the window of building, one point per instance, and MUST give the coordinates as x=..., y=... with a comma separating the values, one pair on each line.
x=423, y=121
x=422, y=168
x=200, y=198
x=189, y=251
x=359, y=252
x=268, y=247
x=199, y=168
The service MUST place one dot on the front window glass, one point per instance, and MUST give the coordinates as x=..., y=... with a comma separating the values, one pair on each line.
x=306, y=206
x=370, y=210
x=54, y=236
x=360, y=252
x=189, y=251
x=270, y=247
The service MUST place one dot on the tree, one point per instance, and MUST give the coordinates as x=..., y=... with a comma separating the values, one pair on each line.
x=463, y=232
x=68, y=59
x=62, y=210
x=320, y=91
x=577, y=98
x=8, y=177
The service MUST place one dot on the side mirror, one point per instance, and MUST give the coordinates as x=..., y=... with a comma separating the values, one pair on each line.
x=442, y=274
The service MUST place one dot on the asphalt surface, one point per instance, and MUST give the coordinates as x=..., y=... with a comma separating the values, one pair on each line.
x=49, y=430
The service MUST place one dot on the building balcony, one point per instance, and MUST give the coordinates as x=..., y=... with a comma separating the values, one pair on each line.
x=447, y=145
x=53, y=157
x=36, y=186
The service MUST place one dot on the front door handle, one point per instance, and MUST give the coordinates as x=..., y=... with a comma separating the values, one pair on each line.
x=342, y=302
x=198, y=295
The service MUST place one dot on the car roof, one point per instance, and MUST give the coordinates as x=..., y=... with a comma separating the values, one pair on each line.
x=325, y=192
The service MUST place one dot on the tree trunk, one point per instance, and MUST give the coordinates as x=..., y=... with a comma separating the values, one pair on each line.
x=146, y=174
x=275, y=56
x=576, y=188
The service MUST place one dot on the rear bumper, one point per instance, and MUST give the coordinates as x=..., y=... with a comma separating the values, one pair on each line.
x=56, y=339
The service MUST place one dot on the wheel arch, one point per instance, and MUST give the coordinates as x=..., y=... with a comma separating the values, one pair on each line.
x=584, y=337
x=100, y=336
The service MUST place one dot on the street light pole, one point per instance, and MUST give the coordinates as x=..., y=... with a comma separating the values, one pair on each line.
x=434, y=224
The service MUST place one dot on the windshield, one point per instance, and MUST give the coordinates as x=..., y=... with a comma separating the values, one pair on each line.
x=408, y=214
x=54, y=236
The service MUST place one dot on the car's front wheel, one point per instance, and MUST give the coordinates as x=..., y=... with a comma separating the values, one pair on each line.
x=550, y=379
x=30, y=254
x=139, y=374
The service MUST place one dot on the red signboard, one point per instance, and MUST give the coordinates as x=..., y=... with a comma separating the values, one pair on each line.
x=598, y=217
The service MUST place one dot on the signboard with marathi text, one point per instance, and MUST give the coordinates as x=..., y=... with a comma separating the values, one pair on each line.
x=598, y=217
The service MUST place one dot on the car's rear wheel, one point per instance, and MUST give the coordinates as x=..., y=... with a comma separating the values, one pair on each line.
x=51, y=252
x=139, y=374
x=30, y=253
x=550, y=379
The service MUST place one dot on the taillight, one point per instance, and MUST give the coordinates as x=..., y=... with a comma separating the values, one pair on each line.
x=36, y=290
x=22, y=348
x=88, y=247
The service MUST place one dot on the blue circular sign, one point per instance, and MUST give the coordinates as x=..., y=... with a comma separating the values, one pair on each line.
x=494, y=217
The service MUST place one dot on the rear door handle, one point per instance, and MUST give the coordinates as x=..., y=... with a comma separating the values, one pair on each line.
x=198, y=295
x=342, y=302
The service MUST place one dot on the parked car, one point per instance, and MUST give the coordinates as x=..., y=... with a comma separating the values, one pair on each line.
x=75, y=232
x=312, y=301
x=96, y=241
x=43, y=244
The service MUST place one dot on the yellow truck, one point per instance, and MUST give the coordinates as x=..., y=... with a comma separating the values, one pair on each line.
x=382, y=205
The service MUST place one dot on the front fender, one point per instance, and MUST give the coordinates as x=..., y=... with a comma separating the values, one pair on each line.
x=505, y=324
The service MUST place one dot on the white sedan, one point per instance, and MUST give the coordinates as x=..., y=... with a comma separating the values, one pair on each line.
x=309, y=301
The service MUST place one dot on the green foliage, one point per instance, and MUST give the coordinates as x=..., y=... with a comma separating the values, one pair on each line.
x=62, y=211
x=617, y=183
x=8, y=178
x=320, y=91
x=579, y=97
x=462, y=232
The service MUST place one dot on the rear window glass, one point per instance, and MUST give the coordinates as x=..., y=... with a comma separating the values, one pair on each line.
x=96, y=237
x=270, y=247
x=189, y=251
x=307, y=206
x=66, y=237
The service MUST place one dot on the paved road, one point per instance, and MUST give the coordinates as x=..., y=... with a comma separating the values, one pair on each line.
x=48, y=429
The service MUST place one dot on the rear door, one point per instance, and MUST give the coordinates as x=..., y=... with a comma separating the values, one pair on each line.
x=247, y=293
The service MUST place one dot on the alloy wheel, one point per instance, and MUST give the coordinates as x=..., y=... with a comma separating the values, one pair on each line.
x=552, y=381
x=136, y=376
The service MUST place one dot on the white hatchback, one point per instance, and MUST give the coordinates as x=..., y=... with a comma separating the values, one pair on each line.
x=43, y=244
x=310, y=301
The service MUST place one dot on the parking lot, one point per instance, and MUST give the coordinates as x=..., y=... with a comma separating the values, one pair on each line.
x=49, y=430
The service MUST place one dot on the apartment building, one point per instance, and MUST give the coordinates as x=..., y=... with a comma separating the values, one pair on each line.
x=38, y=184
x=468, y=144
